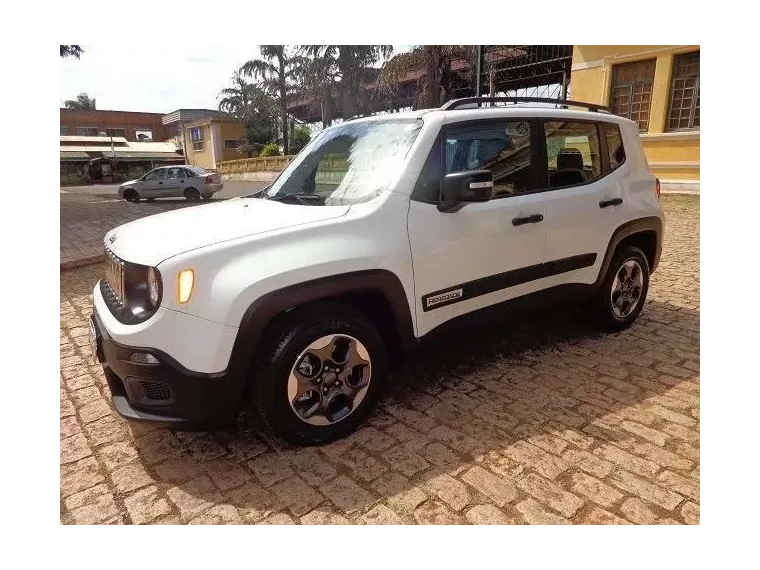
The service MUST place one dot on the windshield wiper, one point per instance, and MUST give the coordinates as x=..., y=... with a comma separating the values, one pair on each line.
x=309, y=199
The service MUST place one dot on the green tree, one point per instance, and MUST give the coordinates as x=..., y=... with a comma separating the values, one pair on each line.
x=71, y=51
x=316, y=82
x=436, y=83
x=255, y=108
x=301, y=137
x=276, y=71
x=82, y=101
x=270, y=149
x=353, y=66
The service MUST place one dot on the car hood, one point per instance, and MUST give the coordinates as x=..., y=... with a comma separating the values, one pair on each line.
x=128, y=182
x=153, y=239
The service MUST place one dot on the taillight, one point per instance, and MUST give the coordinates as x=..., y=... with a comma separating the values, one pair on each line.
x=657, y=187
x=208, y=181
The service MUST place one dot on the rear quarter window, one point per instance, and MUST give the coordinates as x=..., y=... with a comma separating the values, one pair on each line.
x=615, y=146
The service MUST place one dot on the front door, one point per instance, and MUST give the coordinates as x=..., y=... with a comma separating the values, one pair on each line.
x=152, y=185
x=488, y=252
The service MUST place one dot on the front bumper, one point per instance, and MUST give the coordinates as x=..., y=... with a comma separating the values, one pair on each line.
x=164, y=392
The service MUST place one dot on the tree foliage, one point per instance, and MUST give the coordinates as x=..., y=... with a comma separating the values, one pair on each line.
x=82, y=101
x=276, y=72
x=255, y=108
x=301, y=137
x=71, y=51
x=436, y=82
x=348, y=67
x=270, y=149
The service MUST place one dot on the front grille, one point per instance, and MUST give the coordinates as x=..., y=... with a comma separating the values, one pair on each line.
x=115, y=276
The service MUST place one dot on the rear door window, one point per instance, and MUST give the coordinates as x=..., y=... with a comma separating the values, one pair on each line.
x=572, y=151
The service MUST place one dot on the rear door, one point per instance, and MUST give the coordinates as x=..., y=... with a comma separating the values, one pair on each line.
x=584, y=200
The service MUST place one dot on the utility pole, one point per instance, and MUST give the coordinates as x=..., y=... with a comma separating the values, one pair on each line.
x=478, y=71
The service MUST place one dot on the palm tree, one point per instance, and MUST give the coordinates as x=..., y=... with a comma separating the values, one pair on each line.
x=235, y=100
x=82, y=101
x=437, y=81
x=276, y=71
x=250, y=104
x=352, y=65
x=73, y=51
x=317, y=80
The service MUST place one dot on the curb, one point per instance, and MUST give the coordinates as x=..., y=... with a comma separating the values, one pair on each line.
x=82, y=261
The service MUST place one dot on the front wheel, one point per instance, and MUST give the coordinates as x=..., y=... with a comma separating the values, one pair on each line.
x=621, y=297
x=131, y=195
x=320, y=374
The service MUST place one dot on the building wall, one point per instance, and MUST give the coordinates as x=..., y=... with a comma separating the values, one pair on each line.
x=102, y=120
x=673, y=156
x=230, y=131
x=214, y=135
x=205, y=157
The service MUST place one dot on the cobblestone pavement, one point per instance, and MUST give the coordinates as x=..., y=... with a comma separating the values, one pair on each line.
x=546, y=422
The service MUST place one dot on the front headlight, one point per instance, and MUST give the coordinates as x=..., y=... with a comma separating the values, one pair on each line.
x=135, y=291
x=153, y=292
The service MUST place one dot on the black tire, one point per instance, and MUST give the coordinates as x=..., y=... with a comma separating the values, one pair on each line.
x=207, y=197
x=131, y=195
x=149, y=199
x=192, y=195
x=285, y=340
x=602, y=304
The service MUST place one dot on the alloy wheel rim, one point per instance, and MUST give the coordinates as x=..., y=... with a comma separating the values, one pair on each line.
x=626, y=289
x=329, y=379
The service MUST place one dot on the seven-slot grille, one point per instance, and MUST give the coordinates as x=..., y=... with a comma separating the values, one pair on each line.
x=115, y=276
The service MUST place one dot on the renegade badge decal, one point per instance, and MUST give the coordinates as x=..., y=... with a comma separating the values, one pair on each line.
x=443, y=298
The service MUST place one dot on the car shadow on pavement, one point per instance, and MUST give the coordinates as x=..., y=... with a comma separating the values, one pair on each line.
x=485, y=409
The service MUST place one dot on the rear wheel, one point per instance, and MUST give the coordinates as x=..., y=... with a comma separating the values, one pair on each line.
x=207, y=197
x=149, y=199
x=621, y=297
x=320, y=374
x=131, y=195
x=192, y=195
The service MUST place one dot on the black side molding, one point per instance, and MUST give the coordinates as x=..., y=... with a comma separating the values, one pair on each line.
x=498, y=281
x=264, y=309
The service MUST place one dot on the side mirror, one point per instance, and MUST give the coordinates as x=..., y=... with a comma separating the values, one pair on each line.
x=459, y=188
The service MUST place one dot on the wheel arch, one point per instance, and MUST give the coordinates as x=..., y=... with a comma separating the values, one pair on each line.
x=644, y=233
x=379, y=294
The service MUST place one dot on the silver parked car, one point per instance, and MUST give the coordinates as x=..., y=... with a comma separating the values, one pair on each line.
x=192, y=182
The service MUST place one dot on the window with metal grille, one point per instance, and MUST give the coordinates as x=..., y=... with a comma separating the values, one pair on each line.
x=115, y=132
x=231, y=143
x=632, y=91
x=684, y=93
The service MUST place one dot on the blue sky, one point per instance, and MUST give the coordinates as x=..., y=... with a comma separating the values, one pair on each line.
x=154, y=78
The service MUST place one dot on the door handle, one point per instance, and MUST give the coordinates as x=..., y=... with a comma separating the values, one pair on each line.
x=160, y=182
x=613, y=202
x=533, y=219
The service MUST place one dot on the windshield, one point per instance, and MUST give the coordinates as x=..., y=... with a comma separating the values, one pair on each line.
x=348, y=164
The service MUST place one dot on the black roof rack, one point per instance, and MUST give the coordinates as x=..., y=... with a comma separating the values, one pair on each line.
x=457, y=103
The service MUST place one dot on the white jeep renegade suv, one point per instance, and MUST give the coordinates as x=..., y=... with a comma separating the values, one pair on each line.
x=382, y=233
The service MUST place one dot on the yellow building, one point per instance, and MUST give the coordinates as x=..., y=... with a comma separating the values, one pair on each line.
x=210, y=141
x=658, y=88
